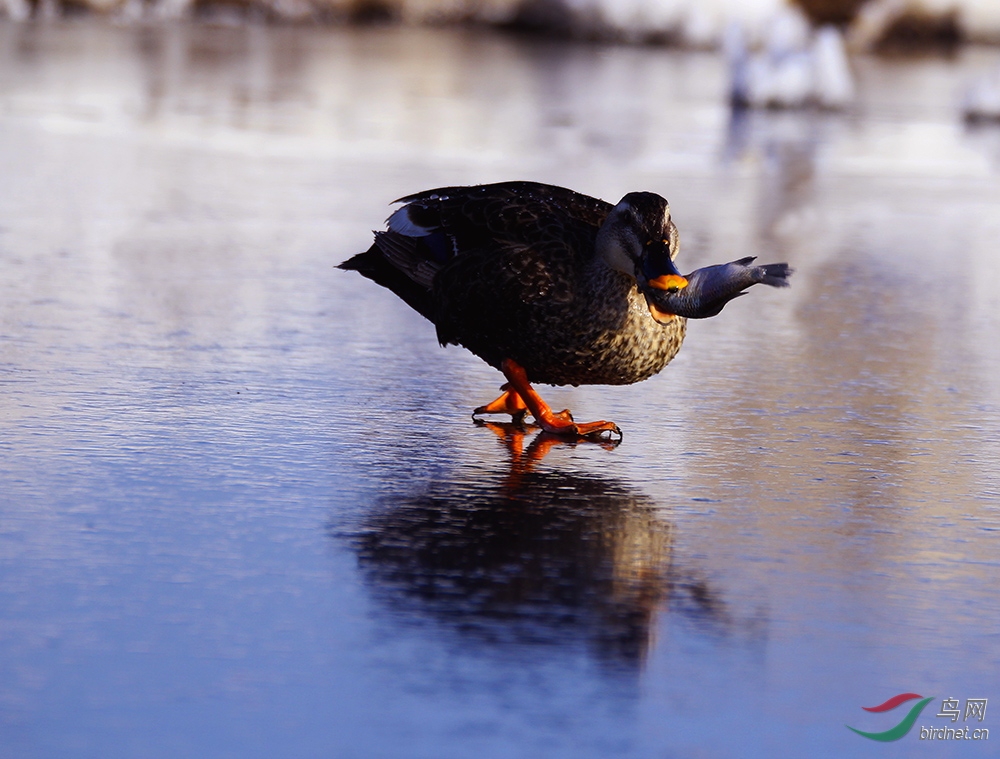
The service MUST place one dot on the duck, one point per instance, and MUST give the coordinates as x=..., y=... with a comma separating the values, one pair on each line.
x=551, y=286
x=797, y=68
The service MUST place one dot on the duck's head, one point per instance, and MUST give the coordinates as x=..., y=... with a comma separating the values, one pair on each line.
x=638, y=238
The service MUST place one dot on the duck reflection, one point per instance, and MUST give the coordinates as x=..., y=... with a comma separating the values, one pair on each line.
x=535, y=556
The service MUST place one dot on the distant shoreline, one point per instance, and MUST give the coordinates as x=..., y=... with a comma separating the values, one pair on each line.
x=879, y=25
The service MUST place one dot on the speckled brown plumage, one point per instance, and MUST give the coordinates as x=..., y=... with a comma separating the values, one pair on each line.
x=510, y=271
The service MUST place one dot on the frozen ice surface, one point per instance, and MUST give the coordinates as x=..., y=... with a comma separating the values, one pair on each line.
x=243, y=510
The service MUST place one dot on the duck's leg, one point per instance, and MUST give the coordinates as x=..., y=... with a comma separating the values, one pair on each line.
x=557, y=423
x=508, y=403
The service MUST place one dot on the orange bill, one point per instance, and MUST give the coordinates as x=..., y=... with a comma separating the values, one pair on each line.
x=661, y=316
x=669, y=282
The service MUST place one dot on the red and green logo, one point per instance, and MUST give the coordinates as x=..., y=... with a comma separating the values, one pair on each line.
x=904, y=726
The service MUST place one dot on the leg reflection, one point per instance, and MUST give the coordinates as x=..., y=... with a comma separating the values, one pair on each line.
x=522, y=461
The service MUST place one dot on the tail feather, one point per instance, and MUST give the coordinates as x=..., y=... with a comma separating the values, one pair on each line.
x=396, y=262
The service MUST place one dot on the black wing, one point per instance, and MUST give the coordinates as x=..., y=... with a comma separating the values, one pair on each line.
x=456, y=253
x=516, y=212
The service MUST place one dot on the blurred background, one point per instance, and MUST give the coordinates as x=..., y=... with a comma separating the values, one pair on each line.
x=871, y=24
x=243, y=510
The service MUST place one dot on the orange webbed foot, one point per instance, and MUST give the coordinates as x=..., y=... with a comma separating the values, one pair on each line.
x=520, y=398
x=508, y=403
x=600, y=431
